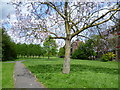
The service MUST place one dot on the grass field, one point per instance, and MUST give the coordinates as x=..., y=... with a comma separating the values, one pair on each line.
x=7, y=75
x=0, y=75
x=84, y=73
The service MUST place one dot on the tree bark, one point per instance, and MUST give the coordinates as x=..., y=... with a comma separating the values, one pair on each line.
x=66, y=65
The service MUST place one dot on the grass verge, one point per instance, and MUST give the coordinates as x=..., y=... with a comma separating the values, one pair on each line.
x=0, y=75
x=84, y=73
x=7, y=75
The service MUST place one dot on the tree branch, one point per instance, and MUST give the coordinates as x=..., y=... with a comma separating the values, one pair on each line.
x=55, y=8
x=104, y=15
x=91, y=24
x=57, y=38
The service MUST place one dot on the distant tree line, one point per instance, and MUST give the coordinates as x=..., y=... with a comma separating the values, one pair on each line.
x=34, y=50
x=11, y=50
x=29, y=50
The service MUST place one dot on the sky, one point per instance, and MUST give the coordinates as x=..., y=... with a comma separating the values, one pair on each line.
x=6, y=9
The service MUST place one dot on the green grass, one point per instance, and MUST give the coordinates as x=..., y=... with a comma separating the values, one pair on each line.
x=0, y=75
x=7, y=75
x=84, y=73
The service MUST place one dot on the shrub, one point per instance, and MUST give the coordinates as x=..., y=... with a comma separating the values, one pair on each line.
x=104, y=58
x=108, y=56
x=84, y=51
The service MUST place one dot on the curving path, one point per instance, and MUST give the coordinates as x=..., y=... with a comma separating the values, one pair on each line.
x=23, y=78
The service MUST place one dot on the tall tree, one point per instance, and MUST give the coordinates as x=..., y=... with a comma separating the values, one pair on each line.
x=0, y=44
x=118, y=40
x=8, y=47
x=116, y=20
x=62, y=20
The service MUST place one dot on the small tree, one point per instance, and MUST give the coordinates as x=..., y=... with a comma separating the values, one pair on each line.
x=50, y=47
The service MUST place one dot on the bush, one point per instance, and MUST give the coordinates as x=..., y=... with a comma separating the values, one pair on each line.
x=108, y=56
x=84, y=51
x=104, y=58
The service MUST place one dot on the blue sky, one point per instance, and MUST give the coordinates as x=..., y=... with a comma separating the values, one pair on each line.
x=7, y=9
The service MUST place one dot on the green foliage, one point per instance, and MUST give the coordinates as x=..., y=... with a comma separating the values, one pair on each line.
x=61, y=52
x=29, y=50
x=108, y=56
x=105, y=58
x=7, y=75
x=84, y=73
x=50, y=47
x=84, y=51
x=8, y=47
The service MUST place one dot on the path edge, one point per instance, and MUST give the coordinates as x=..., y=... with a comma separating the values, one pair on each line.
x=14, y=75
x=43, y=86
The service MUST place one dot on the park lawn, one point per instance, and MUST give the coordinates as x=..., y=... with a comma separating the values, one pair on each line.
x=0, y=75
x=84, y=73
x=7, y=75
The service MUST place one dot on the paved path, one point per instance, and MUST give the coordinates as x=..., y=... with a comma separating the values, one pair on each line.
x=23, y=77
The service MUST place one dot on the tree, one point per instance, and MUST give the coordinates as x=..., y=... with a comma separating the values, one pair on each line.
x=61, y=52
x=84, y=51
x=29, y=50
x=116, y=20
x=62, y=20
x=99, y=44
x=118, y=41
x=1, y=45
x=50, y=47
x=8, y=47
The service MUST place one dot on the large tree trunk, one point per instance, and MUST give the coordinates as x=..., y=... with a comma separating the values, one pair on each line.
x=66, y=65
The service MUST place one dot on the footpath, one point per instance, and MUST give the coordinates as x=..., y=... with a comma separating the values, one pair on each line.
x=23, y=78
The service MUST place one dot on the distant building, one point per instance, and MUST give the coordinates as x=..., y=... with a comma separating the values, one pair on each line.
x=75, y=45
x=109, y=33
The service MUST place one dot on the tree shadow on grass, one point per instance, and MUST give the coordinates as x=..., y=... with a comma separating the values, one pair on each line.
x=51, y=68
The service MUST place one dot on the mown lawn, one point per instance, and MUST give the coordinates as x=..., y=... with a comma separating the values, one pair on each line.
x=7, y=75
x=0, y=75
x=84, y=73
